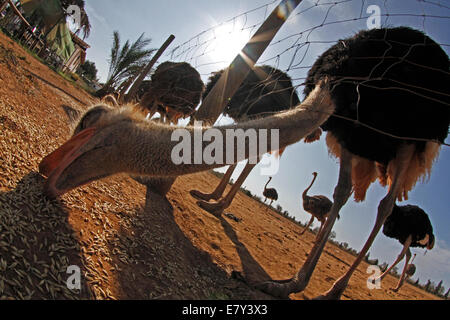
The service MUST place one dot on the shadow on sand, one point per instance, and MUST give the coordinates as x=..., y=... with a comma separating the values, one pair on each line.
x=37, y=244
x=166, y=265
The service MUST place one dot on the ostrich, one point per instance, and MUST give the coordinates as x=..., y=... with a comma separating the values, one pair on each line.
x=391, y=95
x=411, y=226
x=264, y=91
x=270, y=193
x=318, y=206
x=409, y=272
x=381, y=80
x=174, y=91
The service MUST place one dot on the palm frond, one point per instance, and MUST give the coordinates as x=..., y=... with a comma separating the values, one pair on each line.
x=127, y=60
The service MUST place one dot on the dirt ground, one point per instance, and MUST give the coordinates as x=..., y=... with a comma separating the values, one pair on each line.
x=130, y=243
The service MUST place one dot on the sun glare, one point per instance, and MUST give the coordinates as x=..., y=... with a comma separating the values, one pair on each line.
x=228, y=42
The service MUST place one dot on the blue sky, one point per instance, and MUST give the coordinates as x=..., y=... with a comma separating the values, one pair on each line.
x=213, y=18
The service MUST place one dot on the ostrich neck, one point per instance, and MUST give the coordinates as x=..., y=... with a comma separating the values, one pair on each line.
x=304, y=195
x=149, y=149
x=265, y=187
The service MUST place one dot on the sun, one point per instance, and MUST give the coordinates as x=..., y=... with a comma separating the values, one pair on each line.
x=228, y=41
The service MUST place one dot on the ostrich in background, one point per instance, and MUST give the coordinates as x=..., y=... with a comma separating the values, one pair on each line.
x=318, y=206
x=409, y=272
x=174, y=91
x=270, y=193
x=411, y=226
x=387, y=80
x=263, y=92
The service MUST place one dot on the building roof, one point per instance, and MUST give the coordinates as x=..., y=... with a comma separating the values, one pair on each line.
x=78, y=41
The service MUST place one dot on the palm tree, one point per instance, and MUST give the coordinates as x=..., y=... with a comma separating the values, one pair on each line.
x=125, y=61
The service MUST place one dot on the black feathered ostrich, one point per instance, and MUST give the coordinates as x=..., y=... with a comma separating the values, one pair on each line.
x=386, y=84
x=318, y=206
x=409, y=272
x=174, y=91
x=270, y=193
x=411, y=226
x=263, y=92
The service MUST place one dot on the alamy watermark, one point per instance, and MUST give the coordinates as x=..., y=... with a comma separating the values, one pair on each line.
x=74, y=15
x=374, y=281
x=191, y=150
x=374, y=21
x=73, y=282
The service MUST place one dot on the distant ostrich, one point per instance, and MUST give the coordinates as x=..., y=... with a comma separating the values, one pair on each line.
x=175, y=90
x=411, y=226
x=270, y=193
x=409, y=272
x=390, y=79
x=387, y=80
x=264, y=91
x=318, y=206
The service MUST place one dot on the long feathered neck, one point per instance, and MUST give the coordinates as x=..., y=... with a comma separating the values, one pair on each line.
x=265, y=187
x=304, y=195
x=154, y=142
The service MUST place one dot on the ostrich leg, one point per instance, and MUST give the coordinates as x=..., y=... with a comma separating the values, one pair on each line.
x=341, y=194
x=218, y=192
x=402, y=277
x=385, y=207
x=217, y=208
x=404, y=251
x=308, y=225
x=321, y=228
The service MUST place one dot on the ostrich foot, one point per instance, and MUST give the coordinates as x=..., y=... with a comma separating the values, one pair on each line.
x=335, y=291
x=395, y=289
x=202, y=196
x=216, y=208
x=281, y=288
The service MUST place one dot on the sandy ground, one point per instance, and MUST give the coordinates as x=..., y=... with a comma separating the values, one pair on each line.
x=130, y=243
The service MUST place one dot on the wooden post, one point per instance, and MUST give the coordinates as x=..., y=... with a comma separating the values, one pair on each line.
x=134, y=88
x=227, y=85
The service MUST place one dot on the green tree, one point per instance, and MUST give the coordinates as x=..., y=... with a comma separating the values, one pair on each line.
x=49, y=14
x=88, y=70
x=332, y=235
x=439, y=290
x=125, y=61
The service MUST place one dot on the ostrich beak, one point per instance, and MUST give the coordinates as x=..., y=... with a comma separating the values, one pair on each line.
x=54, y=164
x=430, y=244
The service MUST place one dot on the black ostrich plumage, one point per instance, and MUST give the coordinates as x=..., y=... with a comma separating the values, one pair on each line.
x=264, y=91
x=403, y=81
x=271, y=193
x=174, y=84
x=408, y=220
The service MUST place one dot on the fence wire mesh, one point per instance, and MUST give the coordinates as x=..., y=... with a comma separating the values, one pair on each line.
x=308, y=32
